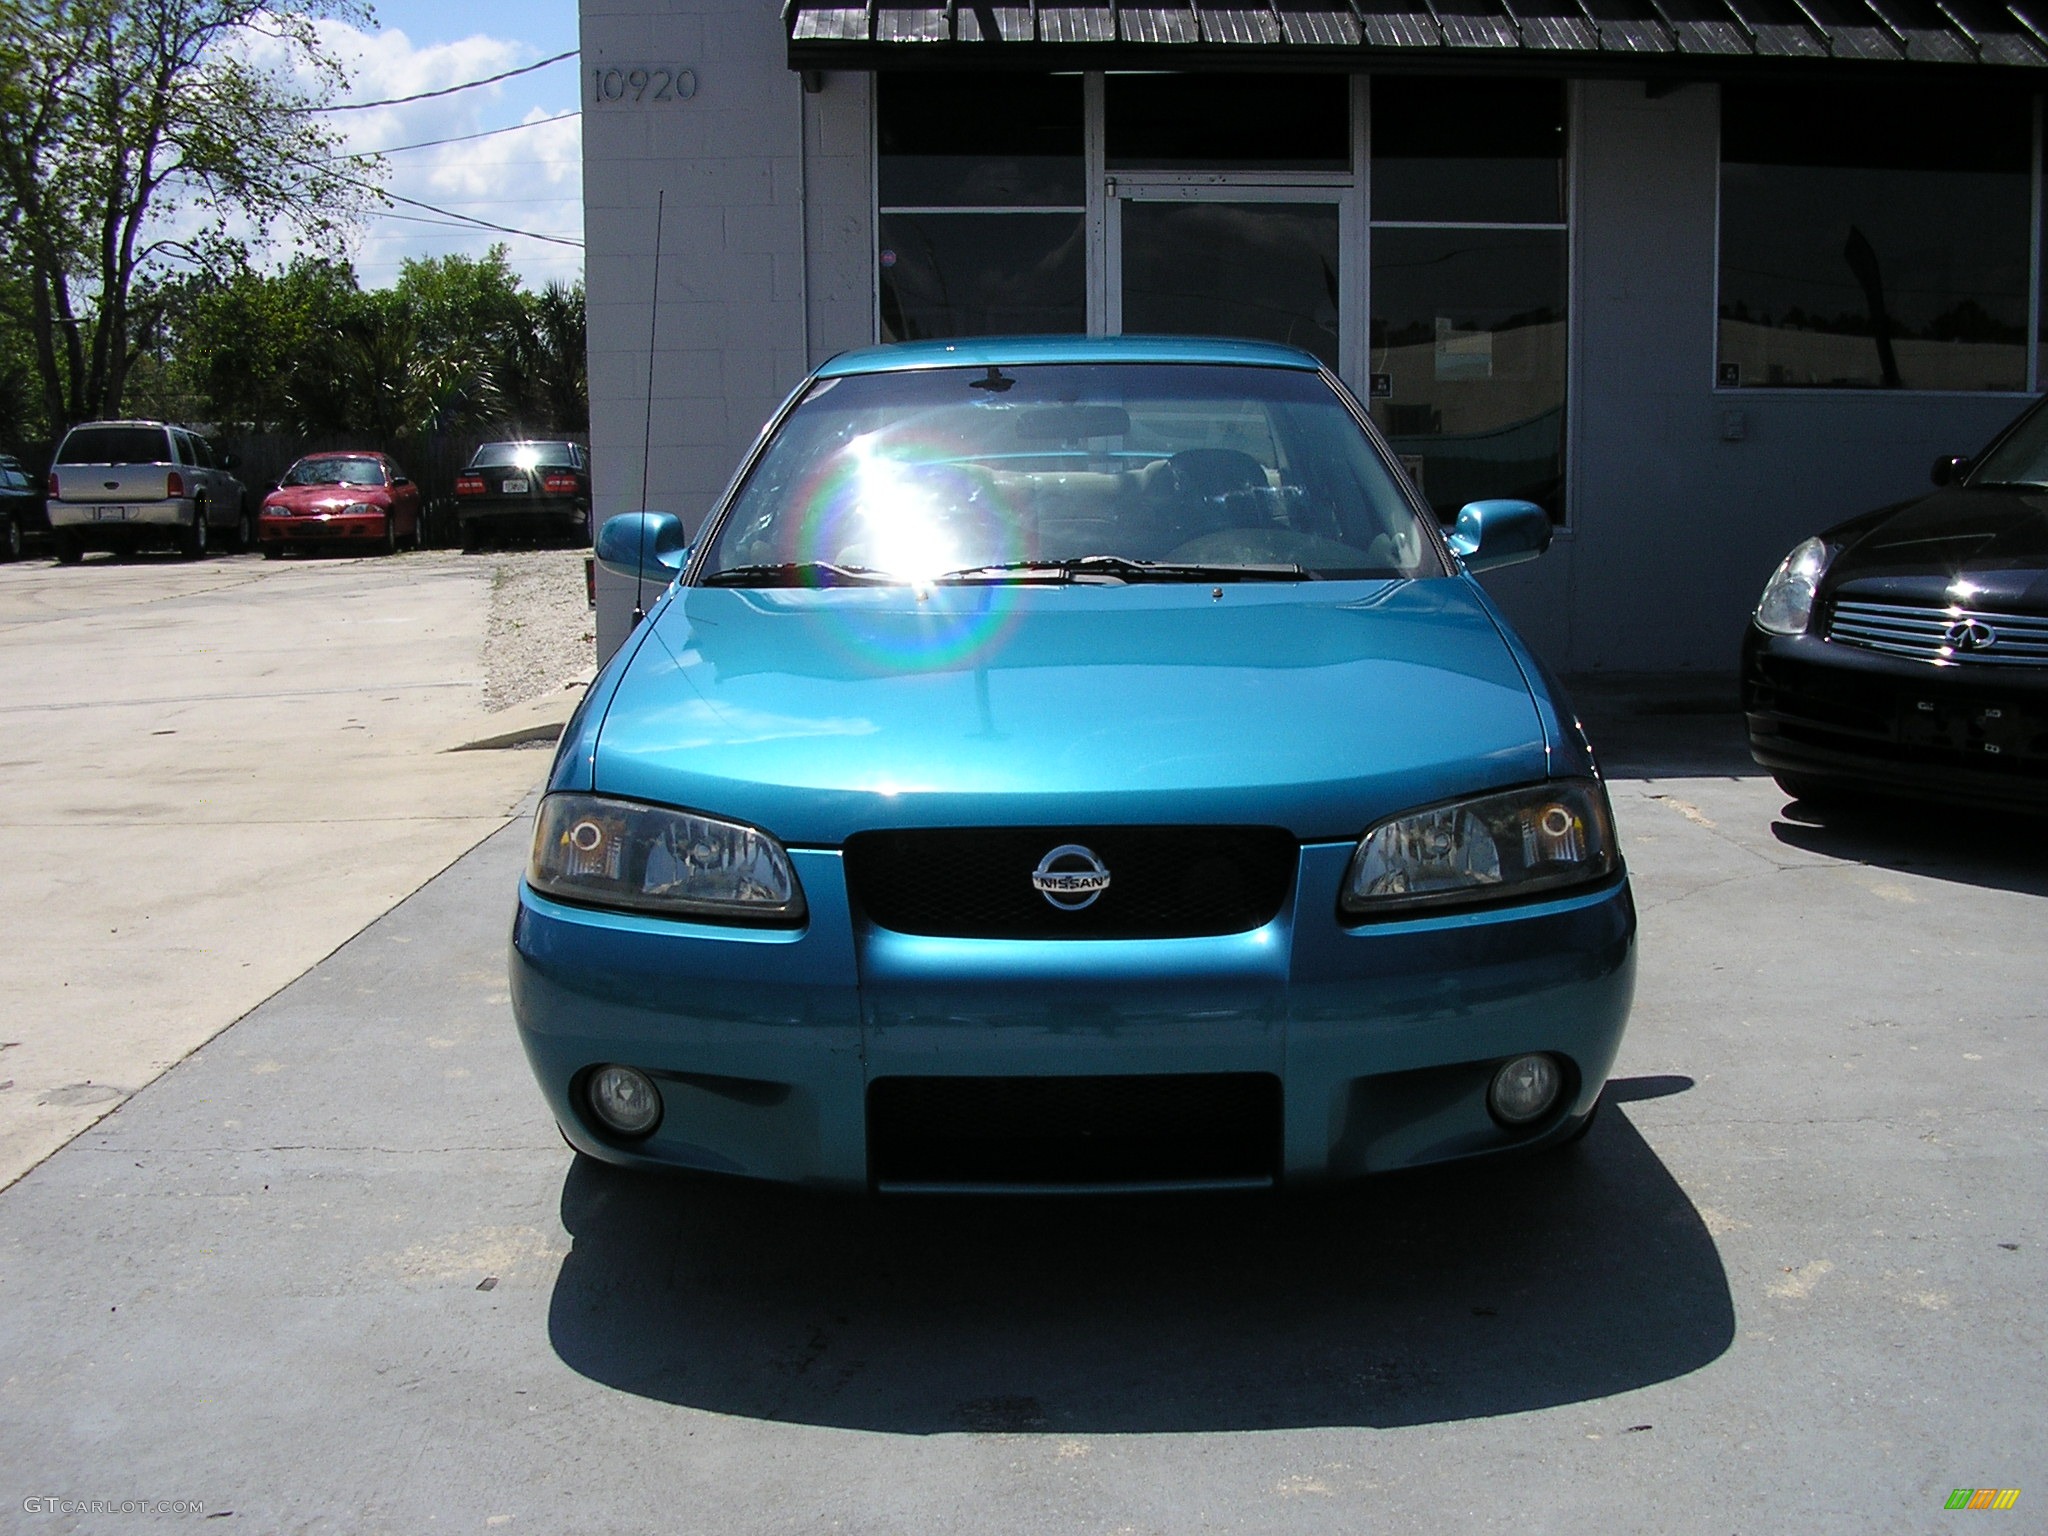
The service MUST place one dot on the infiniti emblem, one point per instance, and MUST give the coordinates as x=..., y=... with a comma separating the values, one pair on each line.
x=1071, y=877
x=1969, y=635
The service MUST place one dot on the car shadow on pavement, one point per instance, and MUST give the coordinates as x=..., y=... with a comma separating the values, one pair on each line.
x=1442, y=1295
x=1703, y=744
x=1988, y=849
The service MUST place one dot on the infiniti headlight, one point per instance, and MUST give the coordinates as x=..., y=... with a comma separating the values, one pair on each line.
x=1787, y=603
x=618, y=853
x=1495, y=847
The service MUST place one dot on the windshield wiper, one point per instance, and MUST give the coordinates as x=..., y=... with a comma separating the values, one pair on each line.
x=800, y=573
x=1120, y=568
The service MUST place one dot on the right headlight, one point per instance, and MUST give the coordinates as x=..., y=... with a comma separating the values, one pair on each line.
x=1490, y=848
x=649, y=858
x=1787, y=604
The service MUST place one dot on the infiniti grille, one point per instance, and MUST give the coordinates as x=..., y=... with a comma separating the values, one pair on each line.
x=1922, y=631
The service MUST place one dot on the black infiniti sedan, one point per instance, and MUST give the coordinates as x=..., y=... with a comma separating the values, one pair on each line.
x=1906, y=651
x=524, y=487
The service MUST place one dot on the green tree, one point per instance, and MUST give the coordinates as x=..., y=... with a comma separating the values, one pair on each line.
x=134, y=136
x=543, y=375
x=261, y=345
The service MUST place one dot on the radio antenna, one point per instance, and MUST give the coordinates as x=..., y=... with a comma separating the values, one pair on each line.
x=647, y=435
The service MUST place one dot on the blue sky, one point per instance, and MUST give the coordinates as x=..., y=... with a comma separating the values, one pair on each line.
x=530, y=179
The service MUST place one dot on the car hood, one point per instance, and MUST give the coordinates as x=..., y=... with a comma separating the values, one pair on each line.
x=325, y=498
x=1996, y=540
x=1318, y=707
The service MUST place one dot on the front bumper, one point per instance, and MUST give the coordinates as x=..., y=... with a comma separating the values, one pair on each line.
x=767, y=1045
x=1969, y=733
x=319, y=527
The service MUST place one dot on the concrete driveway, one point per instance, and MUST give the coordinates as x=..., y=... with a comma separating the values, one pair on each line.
x=212, y=774
x=336, y=1272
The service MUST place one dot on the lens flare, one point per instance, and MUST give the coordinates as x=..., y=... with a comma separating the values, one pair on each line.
x=908, y=508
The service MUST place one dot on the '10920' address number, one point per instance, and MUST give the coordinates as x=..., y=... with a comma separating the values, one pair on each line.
x=642, y=83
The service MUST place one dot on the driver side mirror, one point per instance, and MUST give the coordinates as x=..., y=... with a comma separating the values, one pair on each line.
x=231, y=461
x=1948, y=469
x=643, y=546
x=1490, y=534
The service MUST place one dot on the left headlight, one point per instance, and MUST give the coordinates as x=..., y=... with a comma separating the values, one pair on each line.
x=358, y=508
x=1492, y=848
x=648, y=858
x=1787, y=604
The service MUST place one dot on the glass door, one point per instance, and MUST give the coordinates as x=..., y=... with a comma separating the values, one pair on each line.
x=1263, y=263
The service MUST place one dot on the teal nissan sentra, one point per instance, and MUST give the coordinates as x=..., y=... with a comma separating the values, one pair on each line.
x=1072, y=764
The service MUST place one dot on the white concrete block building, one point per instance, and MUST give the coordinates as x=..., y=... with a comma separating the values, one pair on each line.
x=1701, y=276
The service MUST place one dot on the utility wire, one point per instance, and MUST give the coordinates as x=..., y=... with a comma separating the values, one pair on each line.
x=460, y=138
x=503, y=229
x=449, y=90
x=412, y=202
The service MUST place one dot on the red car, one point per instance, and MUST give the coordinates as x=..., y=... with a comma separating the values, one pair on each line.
x=341, y=498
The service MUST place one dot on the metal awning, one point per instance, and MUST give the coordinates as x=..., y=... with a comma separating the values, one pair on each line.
x=1700, y=39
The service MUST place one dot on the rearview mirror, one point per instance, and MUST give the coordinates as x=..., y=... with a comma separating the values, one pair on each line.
x=1496, y=533
x=1948, y=469
x=643, y=546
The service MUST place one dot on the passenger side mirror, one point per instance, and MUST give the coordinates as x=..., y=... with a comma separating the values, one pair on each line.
x=1948, y=469
x=400, y=480
x=649, y=546
x=1496, y=533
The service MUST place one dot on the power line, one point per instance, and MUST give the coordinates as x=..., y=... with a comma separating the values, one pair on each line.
x=412, y=202
x=414, y=218
x=510, y=202
x=503, y=229
x=460, y=138
x=448, y=90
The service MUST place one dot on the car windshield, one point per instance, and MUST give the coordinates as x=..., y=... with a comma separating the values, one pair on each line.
x=335, y=472
x=1063, y=472
x=116, y=445
x=523, y=456
x=2022, y=459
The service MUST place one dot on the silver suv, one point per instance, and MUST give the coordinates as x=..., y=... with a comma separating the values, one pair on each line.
x=122, y=485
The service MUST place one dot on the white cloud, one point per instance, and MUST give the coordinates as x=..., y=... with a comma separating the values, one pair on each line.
x=531, y=179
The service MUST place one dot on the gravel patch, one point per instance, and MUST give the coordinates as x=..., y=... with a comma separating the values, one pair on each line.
x=541, y=634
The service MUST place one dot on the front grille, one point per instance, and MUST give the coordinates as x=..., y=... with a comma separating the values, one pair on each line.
x=1947, y=717
x=1921, y=631
x=1165, y=882
x=1181, y=1128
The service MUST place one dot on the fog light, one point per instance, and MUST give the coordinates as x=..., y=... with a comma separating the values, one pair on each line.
x=624, y=1101
x=1524, y=1089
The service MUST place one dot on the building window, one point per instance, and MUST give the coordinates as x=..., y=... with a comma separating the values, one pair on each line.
x=1228, y=123
x=1874, y=237
x=981, y=226
x=1469, y=284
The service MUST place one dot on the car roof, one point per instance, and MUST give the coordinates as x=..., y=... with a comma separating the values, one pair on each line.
x=1017, y=351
